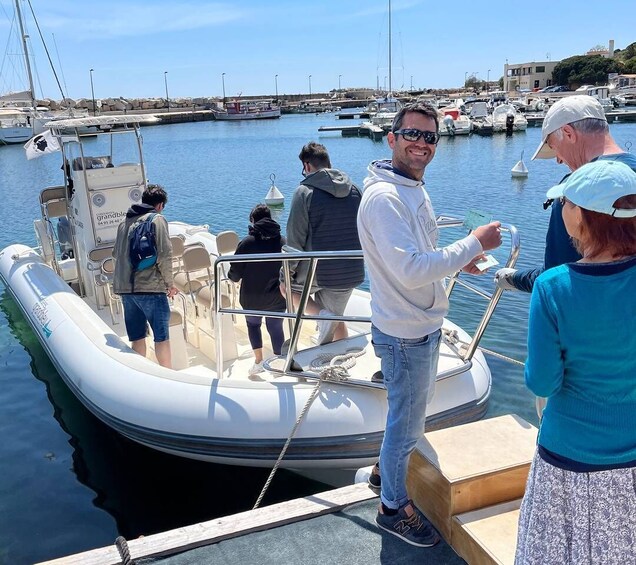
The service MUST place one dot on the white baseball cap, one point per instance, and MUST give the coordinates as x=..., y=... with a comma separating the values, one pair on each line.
x=597, y=185
x=566, y=111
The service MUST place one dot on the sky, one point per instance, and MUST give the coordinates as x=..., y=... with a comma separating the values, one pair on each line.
x=136, y=47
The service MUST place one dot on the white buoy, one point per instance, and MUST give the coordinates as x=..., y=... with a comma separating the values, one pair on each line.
x=520, y=169
x=274, y=196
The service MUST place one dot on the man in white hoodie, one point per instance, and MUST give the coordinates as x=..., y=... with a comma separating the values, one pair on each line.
x=398, y=233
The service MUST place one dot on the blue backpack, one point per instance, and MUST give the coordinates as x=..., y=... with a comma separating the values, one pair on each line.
x=142, y=245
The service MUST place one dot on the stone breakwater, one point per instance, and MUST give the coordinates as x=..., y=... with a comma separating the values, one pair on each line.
x=127, y=104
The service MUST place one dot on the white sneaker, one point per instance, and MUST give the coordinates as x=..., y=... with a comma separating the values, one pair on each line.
x=255, y=369
x=325, y=328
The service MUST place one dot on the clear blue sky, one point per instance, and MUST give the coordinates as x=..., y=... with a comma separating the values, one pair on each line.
x=131, y=43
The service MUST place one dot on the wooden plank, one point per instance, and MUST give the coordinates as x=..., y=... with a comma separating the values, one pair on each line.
x=219, y=529
x=487, y=536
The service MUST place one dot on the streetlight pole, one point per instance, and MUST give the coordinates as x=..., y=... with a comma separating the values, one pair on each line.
x=165, y=80
x=309, y=86
x=92, y=92
x=339, y=87
x=411, y=83
x=488, y=81
x=465, y=78
x=276, y=85
x=223, y=82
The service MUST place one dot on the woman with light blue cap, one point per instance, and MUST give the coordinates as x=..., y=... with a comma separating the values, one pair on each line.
x=580, y=500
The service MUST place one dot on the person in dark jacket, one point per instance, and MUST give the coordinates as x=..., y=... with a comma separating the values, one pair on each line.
x=259, y=282
x=323, y=218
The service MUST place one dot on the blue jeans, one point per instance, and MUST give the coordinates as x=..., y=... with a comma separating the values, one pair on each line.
x=409, y=367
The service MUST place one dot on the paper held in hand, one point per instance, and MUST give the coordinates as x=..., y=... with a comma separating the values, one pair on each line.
x=486, y=263
x=476, y=218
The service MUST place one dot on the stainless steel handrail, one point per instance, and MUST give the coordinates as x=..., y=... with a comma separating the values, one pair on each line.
x=299, y=316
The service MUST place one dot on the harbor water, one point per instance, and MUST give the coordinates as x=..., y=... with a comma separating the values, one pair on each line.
x=68, y=483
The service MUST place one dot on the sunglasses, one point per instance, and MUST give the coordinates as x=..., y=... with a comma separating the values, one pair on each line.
x=430, y=137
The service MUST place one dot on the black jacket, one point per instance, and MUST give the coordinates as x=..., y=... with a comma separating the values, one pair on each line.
x=260, y=286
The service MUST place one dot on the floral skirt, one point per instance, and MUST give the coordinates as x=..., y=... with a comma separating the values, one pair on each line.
x=572, y=518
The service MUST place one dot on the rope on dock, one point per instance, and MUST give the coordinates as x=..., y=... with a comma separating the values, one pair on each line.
x=122, y=546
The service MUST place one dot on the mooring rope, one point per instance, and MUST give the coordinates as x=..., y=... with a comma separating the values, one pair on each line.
x=309, y=402
x=122, y=547
x=329, y=373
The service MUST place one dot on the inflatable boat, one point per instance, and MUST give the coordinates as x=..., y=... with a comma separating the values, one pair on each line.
x=329, y=398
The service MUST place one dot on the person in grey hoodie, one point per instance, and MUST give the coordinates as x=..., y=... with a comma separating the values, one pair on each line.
x=399, y=237
x=323, y=218
x=146, y=301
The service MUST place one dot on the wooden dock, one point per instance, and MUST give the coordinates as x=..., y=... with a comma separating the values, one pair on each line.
x=365, y=129
x=468, y=480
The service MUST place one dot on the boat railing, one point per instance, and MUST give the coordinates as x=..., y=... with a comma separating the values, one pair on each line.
x=297, y=317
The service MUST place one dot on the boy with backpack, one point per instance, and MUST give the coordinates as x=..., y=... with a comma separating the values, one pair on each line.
x=143, y=273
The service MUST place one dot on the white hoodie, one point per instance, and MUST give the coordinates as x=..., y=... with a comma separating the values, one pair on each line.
x=399, y=234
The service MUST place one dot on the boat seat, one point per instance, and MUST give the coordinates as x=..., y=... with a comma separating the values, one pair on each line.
x=178, y=247
x=196, y=270
x=205, y=297
x=227, y=242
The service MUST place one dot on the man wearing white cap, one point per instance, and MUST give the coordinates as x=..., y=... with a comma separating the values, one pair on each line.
x=575, y=132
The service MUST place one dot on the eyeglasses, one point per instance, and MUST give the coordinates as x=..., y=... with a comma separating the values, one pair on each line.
x=430, y=137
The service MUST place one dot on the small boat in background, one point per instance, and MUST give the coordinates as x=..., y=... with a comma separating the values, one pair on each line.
x=519, y=170
x=482, y=122
x=274, y=196
x=247, y=110
x=454, y=122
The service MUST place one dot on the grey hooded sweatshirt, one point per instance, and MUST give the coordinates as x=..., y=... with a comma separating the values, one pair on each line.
x=323, y=218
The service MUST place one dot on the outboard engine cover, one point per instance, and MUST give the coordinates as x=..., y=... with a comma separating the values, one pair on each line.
x=510, y=122
x=449, y=124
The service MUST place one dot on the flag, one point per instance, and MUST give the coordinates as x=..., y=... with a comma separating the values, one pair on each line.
x=41, y=144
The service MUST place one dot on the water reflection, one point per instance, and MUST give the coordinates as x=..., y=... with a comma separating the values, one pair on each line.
x=144, y=491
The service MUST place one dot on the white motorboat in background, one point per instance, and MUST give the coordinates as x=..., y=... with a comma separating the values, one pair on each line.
x=15, y=126
x=453, y=122
x=207, y=406
x=482, y=122
x=506, y=118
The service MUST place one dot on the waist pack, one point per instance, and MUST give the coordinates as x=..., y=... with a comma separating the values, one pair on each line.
x=142, y=245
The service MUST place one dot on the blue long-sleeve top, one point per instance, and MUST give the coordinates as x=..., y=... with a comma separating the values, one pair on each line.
x=558, y=244
x=582, y=356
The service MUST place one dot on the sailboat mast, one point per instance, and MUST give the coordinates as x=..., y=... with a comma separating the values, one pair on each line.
x=390, y=90
x=26, y=53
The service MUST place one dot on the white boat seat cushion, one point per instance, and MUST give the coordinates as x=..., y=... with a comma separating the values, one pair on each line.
x=196, y=269
x=205, y=298
x=227, y=242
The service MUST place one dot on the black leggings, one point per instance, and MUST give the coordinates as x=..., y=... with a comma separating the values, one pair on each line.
x=274, y=329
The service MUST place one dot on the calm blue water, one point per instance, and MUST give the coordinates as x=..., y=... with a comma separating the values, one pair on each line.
x=68, y=483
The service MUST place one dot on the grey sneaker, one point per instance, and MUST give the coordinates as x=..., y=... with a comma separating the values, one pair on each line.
x=410, y=525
